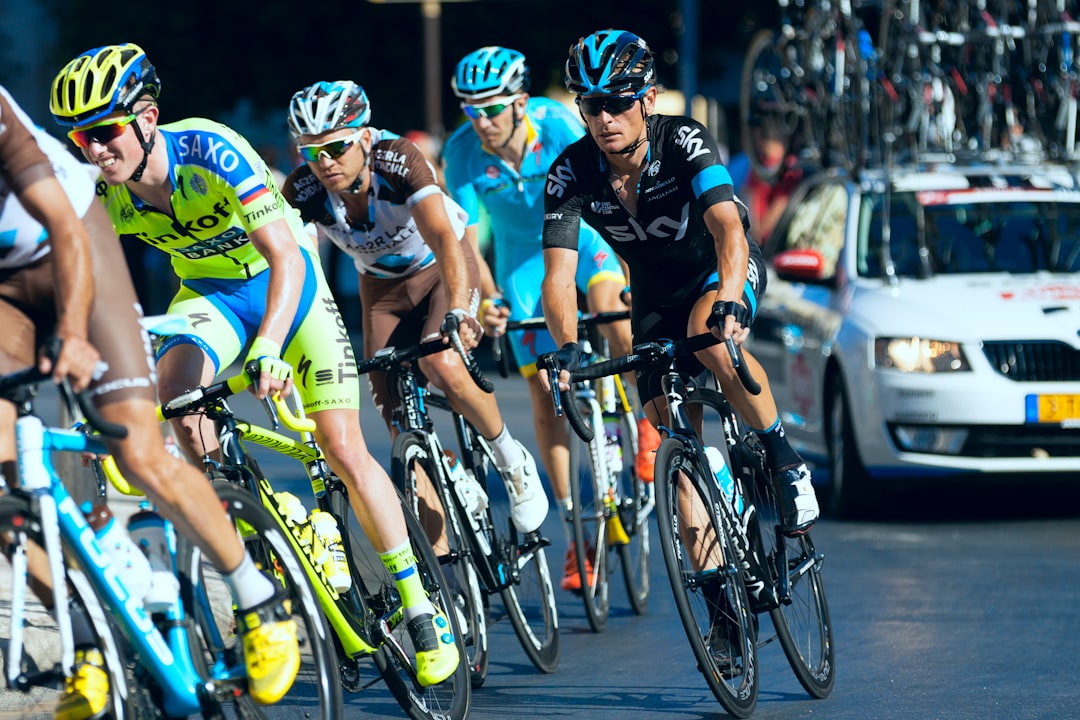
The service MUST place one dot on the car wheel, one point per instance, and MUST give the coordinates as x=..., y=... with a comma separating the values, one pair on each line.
x=849, y=494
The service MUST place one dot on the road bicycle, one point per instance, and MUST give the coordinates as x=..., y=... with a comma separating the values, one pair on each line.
x=809, y=78
x=484, y=554
x=159, y=664
x=719, y=527
x=609, y=504
x=367, y=618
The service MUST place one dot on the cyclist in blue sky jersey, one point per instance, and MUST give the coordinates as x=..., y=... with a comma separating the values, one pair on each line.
x=655, y=188
x=500, y=159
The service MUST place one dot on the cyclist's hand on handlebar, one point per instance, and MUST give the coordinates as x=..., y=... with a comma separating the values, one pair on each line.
x=275, y=375
x=77, y=360
x=494, y=312
x=469, y=329
x=730, y=319
x=566, y=359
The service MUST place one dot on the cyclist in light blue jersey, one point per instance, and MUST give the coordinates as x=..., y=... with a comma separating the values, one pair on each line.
x=500, y=159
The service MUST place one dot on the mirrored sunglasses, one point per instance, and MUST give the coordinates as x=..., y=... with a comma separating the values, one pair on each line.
x=102, y=133
x=475, y=112
x=612, y=104
x=333, y=149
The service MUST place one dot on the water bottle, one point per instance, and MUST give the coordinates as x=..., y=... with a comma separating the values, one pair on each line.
x=126, y=559
x=724, y=480
x=607, y=397
x=333, y=561
x=472, y=496
x=147, y=531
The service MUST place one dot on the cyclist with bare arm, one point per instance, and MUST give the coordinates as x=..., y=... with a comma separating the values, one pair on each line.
x=499, y=159
x=375, y=196
x=251, y=287
x=655, y=188
x=63, y=273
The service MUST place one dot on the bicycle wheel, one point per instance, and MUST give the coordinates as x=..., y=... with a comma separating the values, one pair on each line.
x=848, y=105
x=395, y=659
x=19, y=525
x=802, y=621
x=528, y=593
x=712, y=603
x=411, y=468
x=767, y=87
x=588, y=515
x=317, y=689
x=636, y=504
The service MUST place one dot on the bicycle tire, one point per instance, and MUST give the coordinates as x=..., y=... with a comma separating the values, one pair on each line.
x=763, y=85
x=210, y=605
x=803, y=625
x=528, y=593
x=448, y=700
x=127, y=699
x=588, y=516
x=411, y=452
x=736, y=690
x=635, y=509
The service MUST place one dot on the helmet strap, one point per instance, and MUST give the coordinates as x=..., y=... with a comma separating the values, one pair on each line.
x=147, y=146
x=517, y=122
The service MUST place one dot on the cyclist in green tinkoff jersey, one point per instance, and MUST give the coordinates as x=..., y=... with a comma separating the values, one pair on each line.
x=376, y=197
x=249, y=279
x=655, y=188
x=500, y=159
x=62, y=272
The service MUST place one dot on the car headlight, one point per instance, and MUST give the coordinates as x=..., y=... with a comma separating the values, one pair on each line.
x=915, y=354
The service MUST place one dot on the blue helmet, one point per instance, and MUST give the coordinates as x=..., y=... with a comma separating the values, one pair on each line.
x=490, y=71
x=609, y=62
x=327, y=106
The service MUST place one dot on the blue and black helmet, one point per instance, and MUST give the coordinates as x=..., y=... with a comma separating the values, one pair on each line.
x=327, y=106
x=609, y=62
x=490, y=71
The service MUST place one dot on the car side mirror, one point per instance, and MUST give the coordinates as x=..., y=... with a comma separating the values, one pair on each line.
x=802, y=265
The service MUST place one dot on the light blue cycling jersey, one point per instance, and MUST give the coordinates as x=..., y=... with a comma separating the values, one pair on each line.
x=515, y=203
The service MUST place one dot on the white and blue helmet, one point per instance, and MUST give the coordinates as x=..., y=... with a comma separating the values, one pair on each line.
x=609, y=62
x=490, y=71
x=327, y=106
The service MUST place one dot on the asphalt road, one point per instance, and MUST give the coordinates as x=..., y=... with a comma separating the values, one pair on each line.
x=960, y=605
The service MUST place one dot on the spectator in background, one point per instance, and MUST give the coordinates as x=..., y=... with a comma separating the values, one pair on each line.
x=767, y=197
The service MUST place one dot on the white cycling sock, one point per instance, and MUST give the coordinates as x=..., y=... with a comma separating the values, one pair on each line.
x=507, y=452
x=248, y=585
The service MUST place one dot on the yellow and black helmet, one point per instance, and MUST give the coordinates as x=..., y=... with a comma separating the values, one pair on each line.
x=101, y=81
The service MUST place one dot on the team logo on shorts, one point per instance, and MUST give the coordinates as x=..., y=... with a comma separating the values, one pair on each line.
x=198, y=184
x=492, y=171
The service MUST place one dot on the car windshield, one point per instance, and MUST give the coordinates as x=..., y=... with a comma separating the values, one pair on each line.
x=932, y=234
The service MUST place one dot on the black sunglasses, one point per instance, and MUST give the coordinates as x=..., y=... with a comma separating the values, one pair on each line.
x=612, y=104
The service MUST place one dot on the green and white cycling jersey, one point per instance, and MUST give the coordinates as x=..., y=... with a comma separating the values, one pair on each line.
x=222, y=191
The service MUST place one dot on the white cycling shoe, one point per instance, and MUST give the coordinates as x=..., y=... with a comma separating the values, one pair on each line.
x=528, y=501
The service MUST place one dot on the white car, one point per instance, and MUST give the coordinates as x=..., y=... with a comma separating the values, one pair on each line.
x=925, y=324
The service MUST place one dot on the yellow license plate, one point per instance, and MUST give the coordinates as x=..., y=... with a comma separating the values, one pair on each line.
x=1056, y=408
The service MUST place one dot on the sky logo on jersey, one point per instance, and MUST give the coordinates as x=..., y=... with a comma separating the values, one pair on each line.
x=559, y=177
x=687, y=138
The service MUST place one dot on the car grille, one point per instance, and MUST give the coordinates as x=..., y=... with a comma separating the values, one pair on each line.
x=1012, y=441
x=1033, y=360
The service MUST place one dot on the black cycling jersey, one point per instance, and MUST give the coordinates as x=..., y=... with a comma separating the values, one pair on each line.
x=667, y=246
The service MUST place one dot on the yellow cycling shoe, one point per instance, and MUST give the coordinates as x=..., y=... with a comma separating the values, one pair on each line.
x=271, y=652
x=86, y=692
x=436, y=654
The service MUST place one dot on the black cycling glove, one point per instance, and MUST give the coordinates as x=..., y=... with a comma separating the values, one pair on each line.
x=723, y=308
